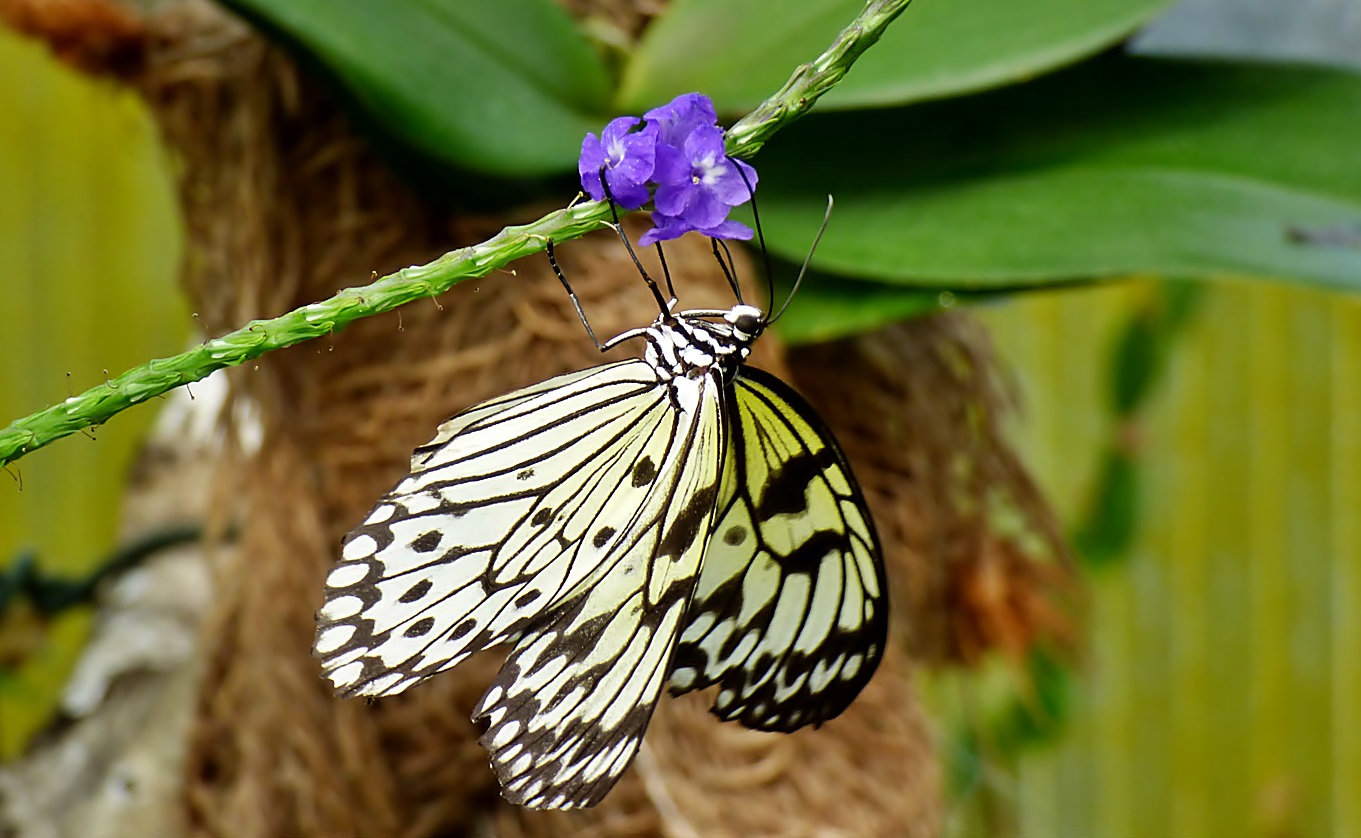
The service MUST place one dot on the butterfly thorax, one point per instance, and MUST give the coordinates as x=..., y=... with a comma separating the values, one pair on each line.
x=687, y=347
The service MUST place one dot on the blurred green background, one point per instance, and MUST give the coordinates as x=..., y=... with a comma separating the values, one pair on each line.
x=1220, y=693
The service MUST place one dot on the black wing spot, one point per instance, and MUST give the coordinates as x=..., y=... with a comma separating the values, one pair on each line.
x=602, y=536
x=462, y=629
x=526, y=598
x=735, y=536
x=416, y=591
x=420, y=628
x=808, y=556
x=644, y=472
x=685, y=525
x=525, y=475
x=543, y=516
x=787, y=491
x=428, y=542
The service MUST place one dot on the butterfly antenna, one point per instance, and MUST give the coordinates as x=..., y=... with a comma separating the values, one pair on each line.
x=807, y=260
x=619, y=228
x=553, y=260
x=729, y=270
x=760, y=238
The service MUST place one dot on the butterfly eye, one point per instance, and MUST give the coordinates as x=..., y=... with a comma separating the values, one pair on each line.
x=746, y=320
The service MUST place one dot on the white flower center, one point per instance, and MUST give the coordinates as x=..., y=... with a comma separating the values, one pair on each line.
x=615, y=151
x=706, y=170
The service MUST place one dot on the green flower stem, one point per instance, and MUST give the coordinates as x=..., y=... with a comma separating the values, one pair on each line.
x=98, y=404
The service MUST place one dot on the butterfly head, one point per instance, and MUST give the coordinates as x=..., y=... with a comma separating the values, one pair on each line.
x=748, y=322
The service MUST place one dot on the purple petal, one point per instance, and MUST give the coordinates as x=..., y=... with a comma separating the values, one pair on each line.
x=676, y=119
x=727, y=185
x=665, y=228
x=617, y=128
x=672, y=168
x=627, y=193
x=704, y=209
x=674, y=199
x=706, y=141
x=728, y=230
x=588, y=166
x=747, y=170
x=628, y=157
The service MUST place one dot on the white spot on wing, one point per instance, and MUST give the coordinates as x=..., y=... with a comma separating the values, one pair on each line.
x=346, y=575
x=342, y=607
x=333, y=638
x=380, y=513
x=346, y=675
x=504, y=735
x=360, y=547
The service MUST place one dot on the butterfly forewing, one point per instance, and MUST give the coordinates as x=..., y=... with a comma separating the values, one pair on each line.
x=789, y=616
x=507, y=514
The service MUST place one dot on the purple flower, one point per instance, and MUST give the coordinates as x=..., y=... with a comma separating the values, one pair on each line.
x=627, y=157
x=675, y=121
x=666, y=227
x=697, y=186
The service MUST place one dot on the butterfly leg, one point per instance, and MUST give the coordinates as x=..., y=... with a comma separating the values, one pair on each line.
x=576, y=303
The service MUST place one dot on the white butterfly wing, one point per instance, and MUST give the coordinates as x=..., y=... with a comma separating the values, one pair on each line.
x=499, y=521
x=789, y=616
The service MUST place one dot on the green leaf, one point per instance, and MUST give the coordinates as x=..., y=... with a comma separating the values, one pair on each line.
x=1137, y=360
x=1111, y=521
x=504, y=88
x=737, y=51
x=1116, y=167
x=1143, y=349
x=828, y=307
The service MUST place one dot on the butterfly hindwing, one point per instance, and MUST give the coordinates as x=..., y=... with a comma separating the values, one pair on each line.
x=567, y=712
x=789, y=616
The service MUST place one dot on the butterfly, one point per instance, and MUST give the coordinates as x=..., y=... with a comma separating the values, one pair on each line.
x=678, y=520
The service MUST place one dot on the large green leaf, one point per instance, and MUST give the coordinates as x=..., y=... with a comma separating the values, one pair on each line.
x=1119, y=166
x=738, y=51
x=505, y=88
x=828, y=307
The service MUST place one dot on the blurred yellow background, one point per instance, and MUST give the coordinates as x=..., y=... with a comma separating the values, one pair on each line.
x=1221, y=695
x=90, y=247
